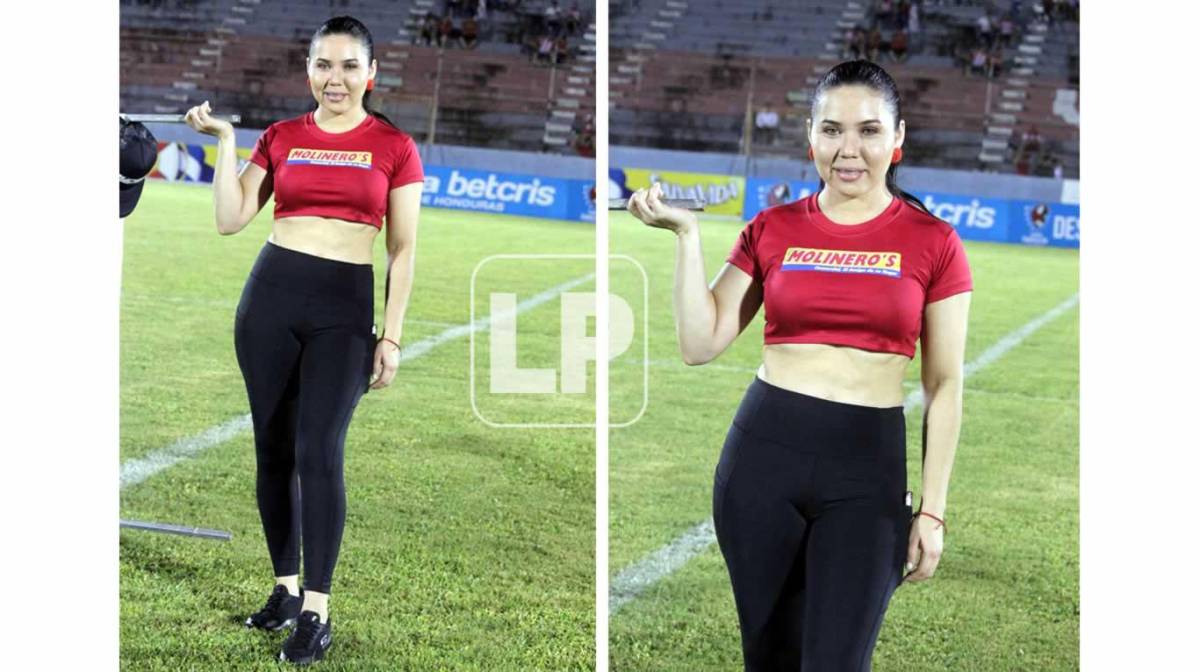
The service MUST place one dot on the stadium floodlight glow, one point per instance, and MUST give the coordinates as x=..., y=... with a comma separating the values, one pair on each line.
x=685, y=203
x=175, y=118
x=167, y=528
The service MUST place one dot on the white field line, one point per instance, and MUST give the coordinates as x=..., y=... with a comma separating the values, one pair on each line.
x=636, y=578
x=136, y=470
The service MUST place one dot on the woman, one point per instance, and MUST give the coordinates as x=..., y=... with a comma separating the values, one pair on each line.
x=809, y=500
x=304, y=331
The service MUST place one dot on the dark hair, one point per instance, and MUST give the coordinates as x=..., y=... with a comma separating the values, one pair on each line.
x=866, y=73
x=348, y=25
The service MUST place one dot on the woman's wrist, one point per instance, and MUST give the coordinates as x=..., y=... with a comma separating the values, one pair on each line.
x=387, y=339
x=689, y=227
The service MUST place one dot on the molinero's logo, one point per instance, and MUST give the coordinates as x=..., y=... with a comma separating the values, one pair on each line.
x=842, y=261
x=325, y=157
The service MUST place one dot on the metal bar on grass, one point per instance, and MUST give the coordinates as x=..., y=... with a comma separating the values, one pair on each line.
x=176, y=529
x=175, y=118
x=685, y=203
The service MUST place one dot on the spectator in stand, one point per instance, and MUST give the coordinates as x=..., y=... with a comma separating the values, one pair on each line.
x=453, y=7
x=1047, y=8
x=585, y=137
x=1031, y=141
x=429, y=29
x=900, y=46
x=1007, y=30
x=984, y=27
x=1022, y=163
x=1045, y=165
x=481, y=10
x=874, y=40
x=562, y=50
x=553, y=15
x=766, y=125
x=995, y=62
x=900, y=16
x=978, y=64
x=856, y=44
x=470, y=34
x=545, y=49
x=445, y=30
x=914, y=26
x=1058, y=169
x=574, y=18
x=883, y=12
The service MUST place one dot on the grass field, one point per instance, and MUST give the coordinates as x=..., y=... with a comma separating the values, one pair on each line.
x=466, y=547
x=1006, y=594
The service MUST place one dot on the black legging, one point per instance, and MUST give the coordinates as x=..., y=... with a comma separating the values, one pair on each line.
x=809, y=502
x=305, y=344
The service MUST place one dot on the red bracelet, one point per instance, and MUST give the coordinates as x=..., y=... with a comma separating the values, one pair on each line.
x=926, y=513
x=385, y=338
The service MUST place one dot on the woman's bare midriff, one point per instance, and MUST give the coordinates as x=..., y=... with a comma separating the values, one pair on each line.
x=836, y=373
x=336, y=239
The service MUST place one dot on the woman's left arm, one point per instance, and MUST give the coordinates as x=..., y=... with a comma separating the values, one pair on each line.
x=943, y=348
x=404, y=207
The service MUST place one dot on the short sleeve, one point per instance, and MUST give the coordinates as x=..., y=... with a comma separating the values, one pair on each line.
x=408, y=167
x=950, y=274
x=743, y=255
x=261, y=156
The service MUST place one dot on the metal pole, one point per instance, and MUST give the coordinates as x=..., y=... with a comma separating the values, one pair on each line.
x=175, y=118
x=437, y=89
x=167, y=528
x=685, y=203
x=748, y=122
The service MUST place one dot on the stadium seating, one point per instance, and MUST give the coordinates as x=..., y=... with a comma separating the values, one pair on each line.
x=689, y=74
x=248, y=57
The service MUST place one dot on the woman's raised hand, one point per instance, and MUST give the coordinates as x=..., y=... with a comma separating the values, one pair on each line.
x=200, y=119
x=647, y=205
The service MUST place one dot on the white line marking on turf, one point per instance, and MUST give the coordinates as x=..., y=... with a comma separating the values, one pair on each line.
x=136, y=470
x=649, y=570
x=636, y=578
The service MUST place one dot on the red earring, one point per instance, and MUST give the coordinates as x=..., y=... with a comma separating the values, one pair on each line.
x=810, y=154
x=370, y=85
x=897, y=155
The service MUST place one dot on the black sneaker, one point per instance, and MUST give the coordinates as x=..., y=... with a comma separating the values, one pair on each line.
x=309, y=641
x=281, y=610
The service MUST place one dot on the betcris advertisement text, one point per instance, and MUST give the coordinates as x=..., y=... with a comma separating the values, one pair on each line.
x=508, y=193
x=999, y=220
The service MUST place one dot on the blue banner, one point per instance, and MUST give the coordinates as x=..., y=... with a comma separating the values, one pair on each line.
x=992, y=219
x=509, y=193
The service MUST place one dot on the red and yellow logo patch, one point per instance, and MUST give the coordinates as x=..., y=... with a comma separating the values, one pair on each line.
x=841, y=261
x=325, y=157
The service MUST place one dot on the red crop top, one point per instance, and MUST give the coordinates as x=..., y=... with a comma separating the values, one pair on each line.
x=339, y=175
x=863, y=285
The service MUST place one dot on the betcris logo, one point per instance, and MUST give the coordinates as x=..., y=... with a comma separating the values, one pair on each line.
x=505, y=193
x=971, y=214
x=495, y=187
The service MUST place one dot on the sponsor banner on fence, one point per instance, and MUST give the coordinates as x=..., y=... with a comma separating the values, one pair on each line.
x=508, y=193
x=722, y=194
x=457, y=188
x=992, y=219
